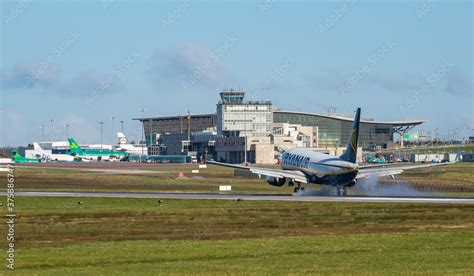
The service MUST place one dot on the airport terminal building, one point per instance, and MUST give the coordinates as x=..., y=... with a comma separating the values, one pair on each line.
x=254, y=131
x=334, y=130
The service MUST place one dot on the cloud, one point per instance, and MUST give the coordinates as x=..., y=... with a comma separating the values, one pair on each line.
x=30, y=75
x=46, y=78
x=188, y=64
x=458, y=83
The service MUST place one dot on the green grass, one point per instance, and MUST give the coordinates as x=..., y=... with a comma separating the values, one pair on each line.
x=449, y=252
x=459, y=175
x=107, y=235
x=142, y=236
x=457, y=178
x=163, y=178
x=63, y=221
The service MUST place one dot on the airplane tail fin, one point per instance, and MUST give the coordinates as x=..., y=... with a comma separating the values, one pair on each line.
x=73, y=145
x=122, y=138
x=16, y=155
x=458, y=154
x=38, y=150
x=350, y=154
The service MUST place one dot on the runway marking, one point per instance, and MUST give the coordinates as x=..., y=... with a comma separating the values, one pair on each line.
x=250, y=197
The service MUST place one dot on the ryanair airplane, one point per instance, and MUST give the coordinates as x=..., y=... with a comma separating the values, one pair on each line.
x=305, y=166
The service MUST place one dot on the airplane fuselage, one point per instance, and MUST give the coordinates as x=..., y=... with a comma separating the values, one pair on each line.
x=96, y=155
x=58, y=158
x=320, y=168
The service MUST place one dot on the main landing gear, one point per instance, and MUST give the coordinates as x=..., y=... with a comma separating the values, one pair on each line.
x=341, y=190
x=298, y=187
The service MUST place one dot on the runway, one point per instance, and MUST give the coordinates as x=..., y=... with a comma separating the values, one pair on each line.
x=245, y=197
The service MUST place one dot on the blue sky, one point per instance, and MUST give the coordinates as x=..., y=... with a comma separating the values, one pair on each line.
x=84, y=62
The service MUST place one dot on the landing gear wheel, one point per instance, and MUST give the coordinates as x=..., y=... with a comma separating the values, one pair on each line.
x=291, y=183
x=341, y=190
x=298, y=188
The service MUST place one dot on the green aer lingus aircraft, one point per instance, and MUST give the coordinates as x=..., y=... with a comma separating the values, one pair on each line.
x=94, y=154
x=17, y=158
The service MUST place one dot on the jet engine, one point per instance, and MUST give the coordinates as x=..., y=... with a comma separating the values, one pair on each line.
x=274, y=181
x=352, y=183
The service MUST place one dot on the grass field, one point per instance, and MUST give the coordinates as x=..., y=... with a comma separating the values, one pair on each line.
x=124, y=236
x=448, y=148
x=159, y=178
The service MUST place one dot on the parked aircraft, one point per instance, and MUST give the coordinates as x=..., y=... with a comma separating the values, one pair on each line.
x=125, y=146
x=50, y=157
x=17, y=158
x=95, y=154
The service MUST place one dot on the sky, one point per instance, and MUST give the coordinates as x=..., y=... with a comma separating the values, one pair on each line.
x=79, y=63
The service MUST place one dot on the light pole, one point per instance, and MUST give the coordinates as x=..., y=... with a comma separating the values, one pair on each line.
x=189, y=131
x=121, y=123
x=101, y=132
x=151, y=132
x=51, y=134
x=143, y=132
x=448, y=138
x=113, y=127
x=67, y=130
x=245, y=138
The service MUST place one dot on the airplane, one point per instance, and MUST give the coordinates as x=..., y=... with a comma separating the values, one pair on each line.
x=6, y=160
x=94, y=154
x=49, y=157
x=125, y=146
x=304, y=166
x=17, y=158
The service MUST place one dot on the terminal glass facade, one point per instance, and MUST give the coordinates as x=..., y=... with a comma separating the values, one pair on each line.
x=334, y=132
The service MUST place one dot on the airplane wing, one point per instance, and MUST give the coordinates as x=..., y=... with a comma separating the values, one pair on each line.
x=365, y=172
x=379, y=165
x=297, y=176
